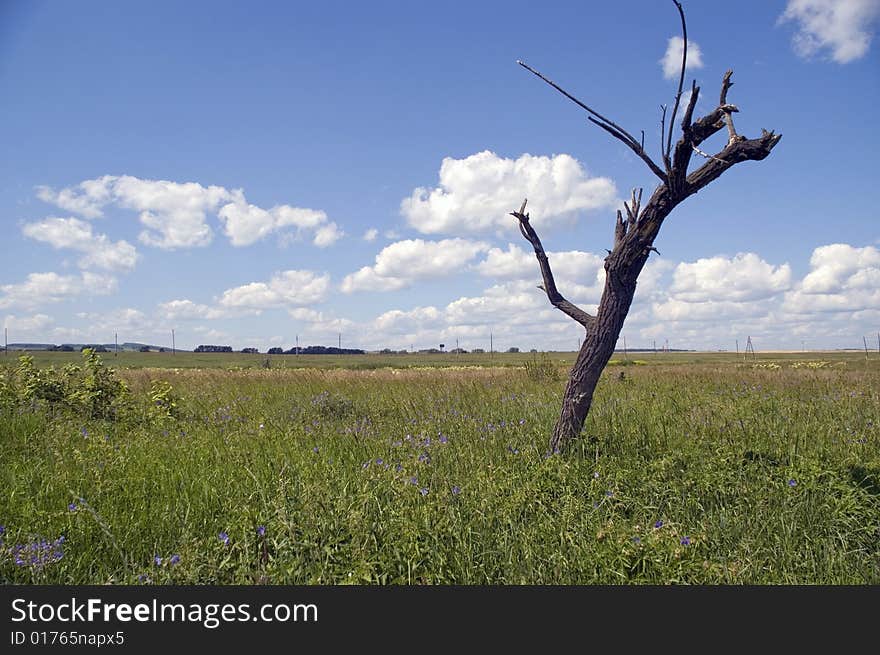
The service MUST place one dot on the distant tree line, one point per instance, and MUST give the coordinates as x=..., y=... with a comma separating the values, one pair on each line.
x=213, y=349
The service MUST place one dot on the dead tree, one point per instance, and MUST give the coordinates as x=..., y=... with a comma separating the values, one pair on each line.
x=635, y=233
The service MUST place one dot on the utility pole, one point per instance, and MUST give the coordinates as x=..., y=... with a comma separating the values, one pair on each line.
x=457, y=349
x=6, y=341
x=116, y=341
x=655, y=346
x=865, y=339
x=624, y=348
x=491, y=350
x=297, y=345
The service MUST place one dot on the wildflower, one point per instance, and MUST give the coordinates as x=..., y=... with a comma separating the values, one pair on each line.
x=456, y=490
x=398, y=467
x=261, y=531
x=315, y=449
x=596, y=475
x=414, y=480
x=513, y=450
x=174, y=560
x=443, y=439
x=380, y=461
x=658, y=524
x=609, y=493
x=224, y=538
x=39, y=553
x=425, y=457
x=522, y=421
x=157, y=560
x=424, y=491
x=72, y=507
x=636, y=540
x=262, y=426
x=685, y=541
x=792, y=483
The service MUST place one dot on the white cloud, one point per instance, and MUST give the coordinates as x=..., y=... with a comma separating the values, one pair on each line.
x=478, y=193
x=23, y=325
x=187, y=309
x=842, y=27
x=403, y=262
x=745, y=277
x=175, y=214
x=284, y=289
x=42, y=288
x=327, y=235
x=671, y=62
x=99, y=251
x=246, y=224
x=371, y=234
x=842, y=279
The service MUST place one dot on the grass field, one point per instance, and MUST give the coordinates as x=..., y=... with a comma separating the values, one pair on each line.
x=433, y=469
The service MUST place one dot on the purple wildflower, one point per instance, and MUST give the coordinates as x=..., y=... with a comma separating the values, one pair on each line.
x=224, y=538
x=636, y=540
x=658, y=524
x=157, y=560
x=174, y=560
x=424, y=491
x=609, y=493
x=380, y=461
x=315, y=449
x=685, y=541
x=398, y=467
x=84, y=432
x=414, y=480
x=261, y=531
x=72, y=507
x=456, y=490
x=792, y=483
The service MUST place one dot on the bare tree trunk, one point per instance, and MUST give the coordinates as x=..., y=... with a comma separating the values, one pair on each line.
x=634, y=237
x=596, y=350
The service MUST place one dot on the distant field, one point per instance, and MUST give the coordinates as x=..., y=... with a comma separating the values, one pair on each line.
x=184, y=359
x=694, y=468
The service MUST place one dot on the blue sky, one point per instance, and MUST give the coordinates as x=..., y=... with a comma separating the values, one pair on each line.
x=248, y=172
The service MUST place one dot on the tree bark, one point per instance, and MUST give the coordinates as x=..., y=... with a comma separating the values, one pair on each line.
x=634, y=242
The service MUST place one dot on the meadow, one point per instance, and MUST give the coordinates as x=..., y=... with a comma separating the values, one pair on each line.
x=433, y=469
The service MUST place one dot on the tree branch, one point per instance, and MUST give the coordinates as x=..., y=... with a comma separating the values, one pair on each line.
x=684, y=54
x=608, y=125
x=556, y=298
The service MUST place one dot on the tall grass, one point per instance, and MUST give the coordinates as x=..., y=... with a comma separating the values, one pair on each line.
x=705, y=473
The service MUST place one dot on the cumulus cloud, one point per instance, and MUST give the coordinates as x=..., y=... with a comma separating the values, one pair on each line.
x=477, y=193
x=99, y=251
x=371, y=234
x=42, y=288
x=175, y=214
x=671, y=62
x=403, y=262
x=842, y=278
x=26, y=324
x=187, y=309
x=744, y=277
x=287, y=288
x=843, y=28
x=246, y=224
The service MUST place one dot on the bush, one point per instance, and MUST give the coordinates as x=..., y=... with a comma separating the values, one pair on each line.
x=91, y=389
x=541, y=368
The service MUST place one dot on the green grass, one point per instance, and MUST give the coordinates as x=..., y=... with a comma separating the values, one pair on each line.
x=768, y=475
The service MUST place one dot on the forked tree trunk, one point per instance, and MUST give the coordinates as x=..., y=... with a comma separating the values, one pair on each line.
x=634, y=235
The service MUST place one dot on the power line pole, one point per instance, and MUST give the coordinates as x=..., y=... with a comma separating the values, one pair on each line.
x=491, y=349
x=297, y=344
x=116, y=342
x=6, y=341
x=624, y=348
x=340, y=341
